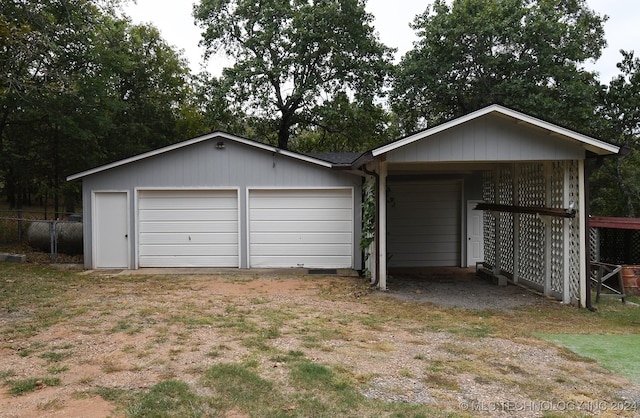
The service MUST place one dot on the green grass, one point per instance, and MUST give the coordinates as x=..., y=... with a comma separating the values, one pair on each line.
x=4, y=374
x=19, y=387
x=25, y=352
x=118, y=395
x=57, y=369
x=169, y=399
x=54, y=356
x=127, y=327
x=25, y=285
x=317, y=391
x=292, y=355
x=193, y=321
x=238, y=386
x=618, y=353
x=176, y=399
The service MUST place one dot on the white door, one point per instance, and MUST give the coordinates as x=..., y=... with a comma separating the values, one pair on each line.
x=110, y=230
x=188, y=228
x=301, y=228
x=475, y=235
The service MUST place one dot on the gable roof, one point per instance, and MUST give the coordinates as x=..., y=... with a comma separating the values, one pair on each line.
x=213, y=135
x=591, y=144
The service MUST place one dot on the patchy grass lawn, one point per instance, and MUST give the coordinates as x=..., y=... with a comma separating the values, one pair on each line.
x=260, y=344
x=618, y=353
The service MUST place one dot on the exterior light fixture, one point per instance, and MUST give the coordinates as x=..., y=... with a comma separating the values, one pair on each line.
x=220, y=145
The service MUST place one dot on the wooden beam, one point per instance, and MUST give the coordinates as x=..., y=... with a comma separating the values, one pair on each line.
x=615, y=223
x=534, y=210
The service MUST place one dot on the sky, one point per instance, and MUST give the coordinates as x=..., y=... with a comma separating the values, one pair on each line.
x=391, y=20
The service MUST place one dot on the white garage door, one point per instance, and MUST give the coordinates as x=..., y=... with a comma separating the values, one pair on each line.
x=188, y=228
x=423, y=224
x=301, y=228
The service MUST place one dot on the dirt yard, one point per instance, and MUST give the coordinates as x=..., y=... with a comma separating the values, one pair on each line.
x=457, y=344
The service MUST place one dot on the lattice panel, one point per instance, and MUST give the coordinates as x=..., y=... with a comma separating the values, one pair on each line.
x=505, y=186
x=532, y=249
x=531, y=187
x=556, y=197
x=531, y=192
x=505, y=195
x=574, y=227
x=488, y=195
x=506, y=242
x=594, y=243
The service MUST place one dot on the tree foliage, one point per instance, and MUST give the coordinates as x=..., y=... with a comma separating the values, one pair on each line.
x=293, y=56
x=525, y=54
x=343, y=125
x=616, y=184
x=147, y=85
x=80, y=87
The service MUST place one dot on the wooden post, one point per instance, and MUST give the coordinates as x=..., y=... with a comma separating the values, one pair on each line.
x=496, y=195
x=566, y=229
x=382, y=233
x=582, y=222
x=548, y=238
x=516, y=223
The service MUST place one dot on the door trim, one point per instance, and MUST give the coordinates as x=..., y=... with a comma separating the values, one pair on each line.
x=469, y=210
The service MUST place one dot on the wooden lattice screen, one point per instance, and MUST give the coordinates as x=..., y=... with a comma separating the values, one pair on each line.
x=541, y=251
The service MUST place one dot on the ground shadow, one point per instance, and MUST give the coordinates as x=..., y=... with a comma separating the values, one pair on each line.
x=458, y=287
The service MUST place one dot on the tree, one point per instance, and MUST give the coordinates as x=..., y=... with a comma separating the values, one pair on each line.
x=293, y=55
x=343, y=125
x=616, y=184
x=41, y=54
x=524, y=54
x=215, y=111
x=147, y=85
x=80, y=87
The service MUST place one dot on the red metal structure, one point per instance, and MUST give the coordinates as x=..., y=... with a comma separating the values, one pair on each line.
x=614, y=223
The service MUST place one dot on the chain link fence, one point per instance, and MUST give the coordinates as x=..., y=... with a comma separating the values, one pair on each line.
x=18, y=228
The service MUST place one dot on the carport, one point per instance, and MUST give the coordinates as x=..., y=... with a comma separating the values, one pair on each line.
x=495, y=188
